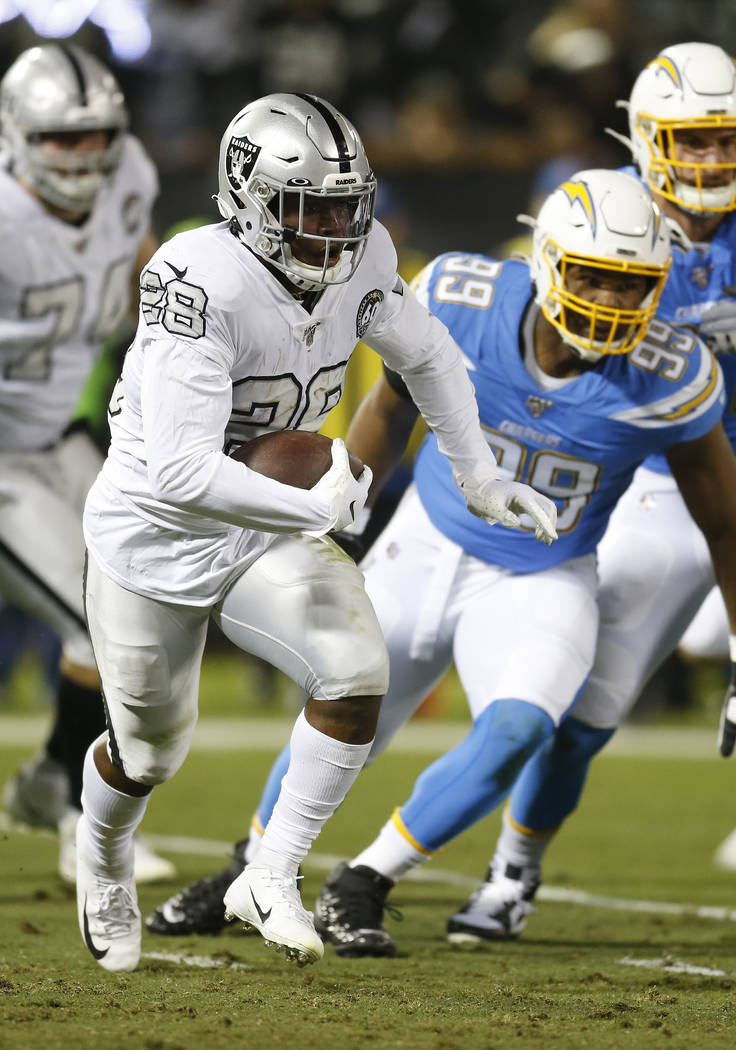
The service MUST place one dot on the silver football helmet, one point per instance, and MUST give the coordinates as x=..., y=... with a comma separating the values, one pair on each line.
x=686, y=87
x=61, y=88
x=605, y=220
x=289, y=154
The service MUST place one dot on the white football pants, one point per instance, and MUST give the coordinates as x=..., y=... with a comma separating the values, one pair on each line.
x=523, y=636
x=655, y=572
x=301, y=606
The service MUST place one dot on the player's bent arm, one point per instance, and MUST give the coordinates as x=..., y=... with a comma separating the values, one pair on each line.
x=414, y=343
x=379, y=431
x=705, y=471
x=186, y=400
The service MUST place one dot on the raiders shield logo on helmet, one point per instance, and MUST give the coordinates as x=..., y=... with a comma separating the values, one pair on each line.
x=366, y=310
x=241, y=156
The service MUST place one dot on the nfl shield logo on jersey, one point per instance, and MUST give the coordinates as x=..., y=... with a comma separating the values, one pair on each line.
x=366, y=310
x=538, y=405
x=700, y=275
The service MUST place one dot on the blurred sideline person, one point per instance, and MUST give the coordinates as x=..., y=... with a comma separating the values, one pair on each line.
x=75, y=206
x=246, y=328
x=566, y=359
x=655, y=564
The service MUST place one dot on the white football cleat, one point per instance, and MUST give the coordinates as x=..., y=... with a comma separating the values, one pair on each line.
x=269, y=901
x=499, y=908
x=109, y=917
x=148, y=866
x=38, y=794
x=725, y=856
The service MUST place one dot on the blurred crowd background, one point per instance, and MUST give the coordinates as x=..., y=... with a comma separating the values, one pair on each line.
x=464, y=105
x=470, y=110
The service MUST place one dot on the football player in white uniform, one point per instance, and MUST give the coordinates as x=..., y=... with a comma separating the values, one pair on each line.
x=246, y=327
x=75, y=201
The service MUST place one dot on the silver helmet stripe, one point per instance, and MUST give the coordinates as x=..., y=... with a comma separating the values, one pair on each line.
x=333, y=125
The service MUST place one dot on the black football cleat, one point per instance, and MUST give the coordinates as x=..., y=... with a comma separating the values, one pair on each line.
x=349, y=912
x=198, y=908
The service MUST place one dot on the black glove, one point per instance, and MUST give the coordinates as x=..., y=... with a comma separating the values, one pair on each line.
x=351, y=544
x=727, y=727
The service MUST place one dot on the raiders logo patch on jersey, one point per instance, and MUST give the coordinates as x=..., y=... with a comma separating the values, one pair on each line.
x=368, y=306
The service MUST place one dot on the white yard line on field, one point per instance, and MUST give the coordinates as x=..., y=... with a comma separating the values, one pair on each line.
x=418, y=737
x=671, y=965
x=206, y=962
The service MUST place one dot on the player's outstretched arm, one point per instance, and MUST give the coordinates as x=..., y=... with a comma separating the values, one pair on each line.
x=705, y=471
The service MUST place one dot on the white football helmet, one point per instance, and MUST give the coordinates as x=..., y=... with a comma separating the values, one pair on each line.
x=61, y=88
x=302, y=146
x=687, y=86
x=606, y=220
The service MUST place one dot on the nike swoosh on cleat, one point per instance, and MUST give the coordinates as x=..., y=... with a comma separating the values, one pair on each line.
x=262, y=915
x=99, y=953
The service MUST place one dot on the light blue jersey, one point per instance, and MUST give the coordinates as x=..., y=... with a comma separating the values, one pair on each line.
x=697, y=279
x=578, y=443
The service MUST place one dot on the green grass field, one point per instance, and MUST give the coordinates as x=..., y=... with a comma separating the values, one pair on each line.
x=645, y=832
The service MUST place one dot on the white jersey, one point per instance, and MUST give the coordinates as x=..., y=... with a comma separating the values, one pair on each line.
x=63, y=290
x=224, y=353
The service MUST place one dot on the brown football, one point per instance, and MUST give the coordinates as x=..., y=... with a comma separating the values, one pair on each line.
x=293, y=457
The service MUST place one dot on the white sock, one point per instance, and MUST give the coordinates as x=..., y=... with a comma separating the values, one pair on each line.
x=321, y=772
x=521, y=848
x=255, y=835
x=110, y=819
x=394, y=852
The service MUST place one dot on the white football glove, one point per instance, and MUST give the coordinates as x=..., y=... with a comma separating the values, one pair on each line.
x=495, y=501
x=718, y=323
x=346, y=495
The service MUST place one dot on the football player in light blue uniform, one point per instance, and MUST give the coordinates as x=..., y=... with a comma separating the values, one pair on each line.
x=577, y=382
x=655, y=567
